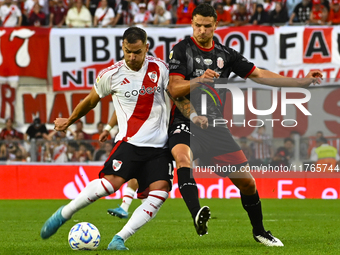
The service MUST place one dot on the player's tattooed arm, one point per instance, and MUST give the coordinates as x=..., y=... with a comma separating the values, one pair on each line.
x=183, y=104
x=188, y=111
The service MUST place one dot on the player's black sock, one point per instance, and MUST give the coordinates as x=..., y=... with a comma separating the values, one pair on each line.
x=188, y=188
x=252, y=205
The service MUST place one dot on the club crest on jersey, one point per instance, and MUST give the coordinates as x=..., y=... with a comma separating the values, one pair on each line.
x=153, y=76
x=207, y=61
x=116, y=164
x=220, y=62
x=198, y=60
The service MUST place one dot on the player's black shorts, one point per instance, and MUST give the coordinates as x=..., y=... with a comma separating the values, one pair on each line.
x=214, y=144
x=146, y=164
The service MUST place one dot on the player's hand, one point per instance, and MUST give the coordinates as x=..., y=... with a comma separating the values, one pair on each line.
x=60, y=124
x=103, y=136
x=210, y=74
x=201, y=121
x=316, y=75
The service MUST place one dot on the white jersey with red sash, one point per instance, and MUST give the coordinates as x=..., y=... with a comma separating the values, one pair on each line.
x=9, y=15
x=140, y=101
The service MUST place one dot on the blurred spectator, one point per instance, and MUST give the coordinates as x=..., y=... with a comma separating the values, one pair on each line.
x=83, y=154
x=104, y=153
x=184, y=13
x=3, y=152
x=78, y=16
x=162, y=16
x=16, y=152
x=79, y=130
x=279, y=15
x=246, y=148
x=58, y=14
x=152, y=4
x=284, y=154
x=241, y=16
x=59, y=148
x=223, y=16
x=325, y=155
x=8, y=132
x=72, y=148
x=319, y=14
x=301, y=12
x=250, y=5
x=334, y=13
x=36, y=17
x=143, y=17
x=104, y=15
x=269, y=5
x=10, y=14
x=290, y=6
x=260, y=16
x=126, y=11
x=92, y=6
x=312, y=141
x=95, y=137
x=230, y=6
x=262, y=146
x=36, y=130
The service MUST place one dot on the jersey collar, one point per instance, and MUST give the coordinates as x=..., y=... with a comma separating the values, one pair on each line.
x=204, y=49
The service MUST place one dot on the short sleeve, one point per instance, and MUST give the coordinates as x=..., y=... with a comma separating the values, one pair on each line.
x=111, y=13
x=103, y=83
x=18, y=12
x=241, y=66
x=178, y=60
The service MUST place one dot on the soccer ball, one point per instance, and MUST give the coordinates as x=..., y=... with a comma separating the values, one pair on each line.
x=84, y=236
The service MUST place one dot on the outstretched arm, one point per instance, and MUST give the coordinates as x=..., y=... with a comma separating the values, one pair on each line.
x=89, y=102
x=188, y=111
x=267, y=77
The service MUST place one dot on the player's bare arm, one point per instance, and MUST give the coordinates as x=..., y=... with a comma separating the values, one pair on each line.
x=112, y=122
x=187, y=109
x=267, y=77
x=178, y=87
x=89, y=102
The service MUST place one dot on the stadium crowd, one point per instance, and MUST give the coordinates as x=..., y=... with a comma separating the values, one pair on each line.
x=109, y=13
x=38, y=144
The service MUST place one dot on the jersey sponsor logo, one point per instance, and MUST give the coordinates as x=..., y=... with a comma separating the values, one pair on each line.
x=220, y=62
x=153, y=76
x=207, y=61
x=125, y=81
x=143, y=91
x=198, y=72
x=116, y=164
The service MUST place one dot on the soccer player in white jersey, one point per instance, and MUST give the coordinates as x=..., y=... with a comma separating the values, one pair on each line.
x=137, y=85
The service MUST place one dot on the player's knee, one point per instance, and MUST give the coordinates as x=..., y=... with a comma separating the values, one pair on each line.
x=182, y=160
x=160, y=185
x=248, y=187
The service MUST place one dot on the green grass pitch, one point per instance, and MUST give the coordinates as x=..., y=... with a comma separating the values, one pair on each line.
x=304, y=226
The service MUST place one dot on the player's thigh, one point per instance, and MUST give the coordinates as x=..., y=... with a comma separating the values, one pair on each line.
x=157, y=169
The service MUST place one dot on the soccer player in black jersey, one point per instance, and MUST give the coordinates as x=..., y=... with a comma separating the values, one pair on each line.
x=199, y=60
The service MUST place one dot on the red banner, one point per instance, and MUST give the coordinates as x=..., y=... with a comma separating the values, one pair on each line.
x=66, y=181
x=24, y=52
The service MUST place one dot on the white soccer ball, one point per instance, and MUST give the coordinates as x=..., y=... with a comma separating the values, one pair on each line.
x=84, y=236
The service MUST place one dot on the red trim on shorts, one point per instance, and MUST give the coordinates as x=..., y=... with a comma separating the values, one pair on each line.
x=204, y=49
x=107, y=191
x=179, y=74
x=252, y=70
x=231, y=158
x=159, y=197
x=114, y=149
